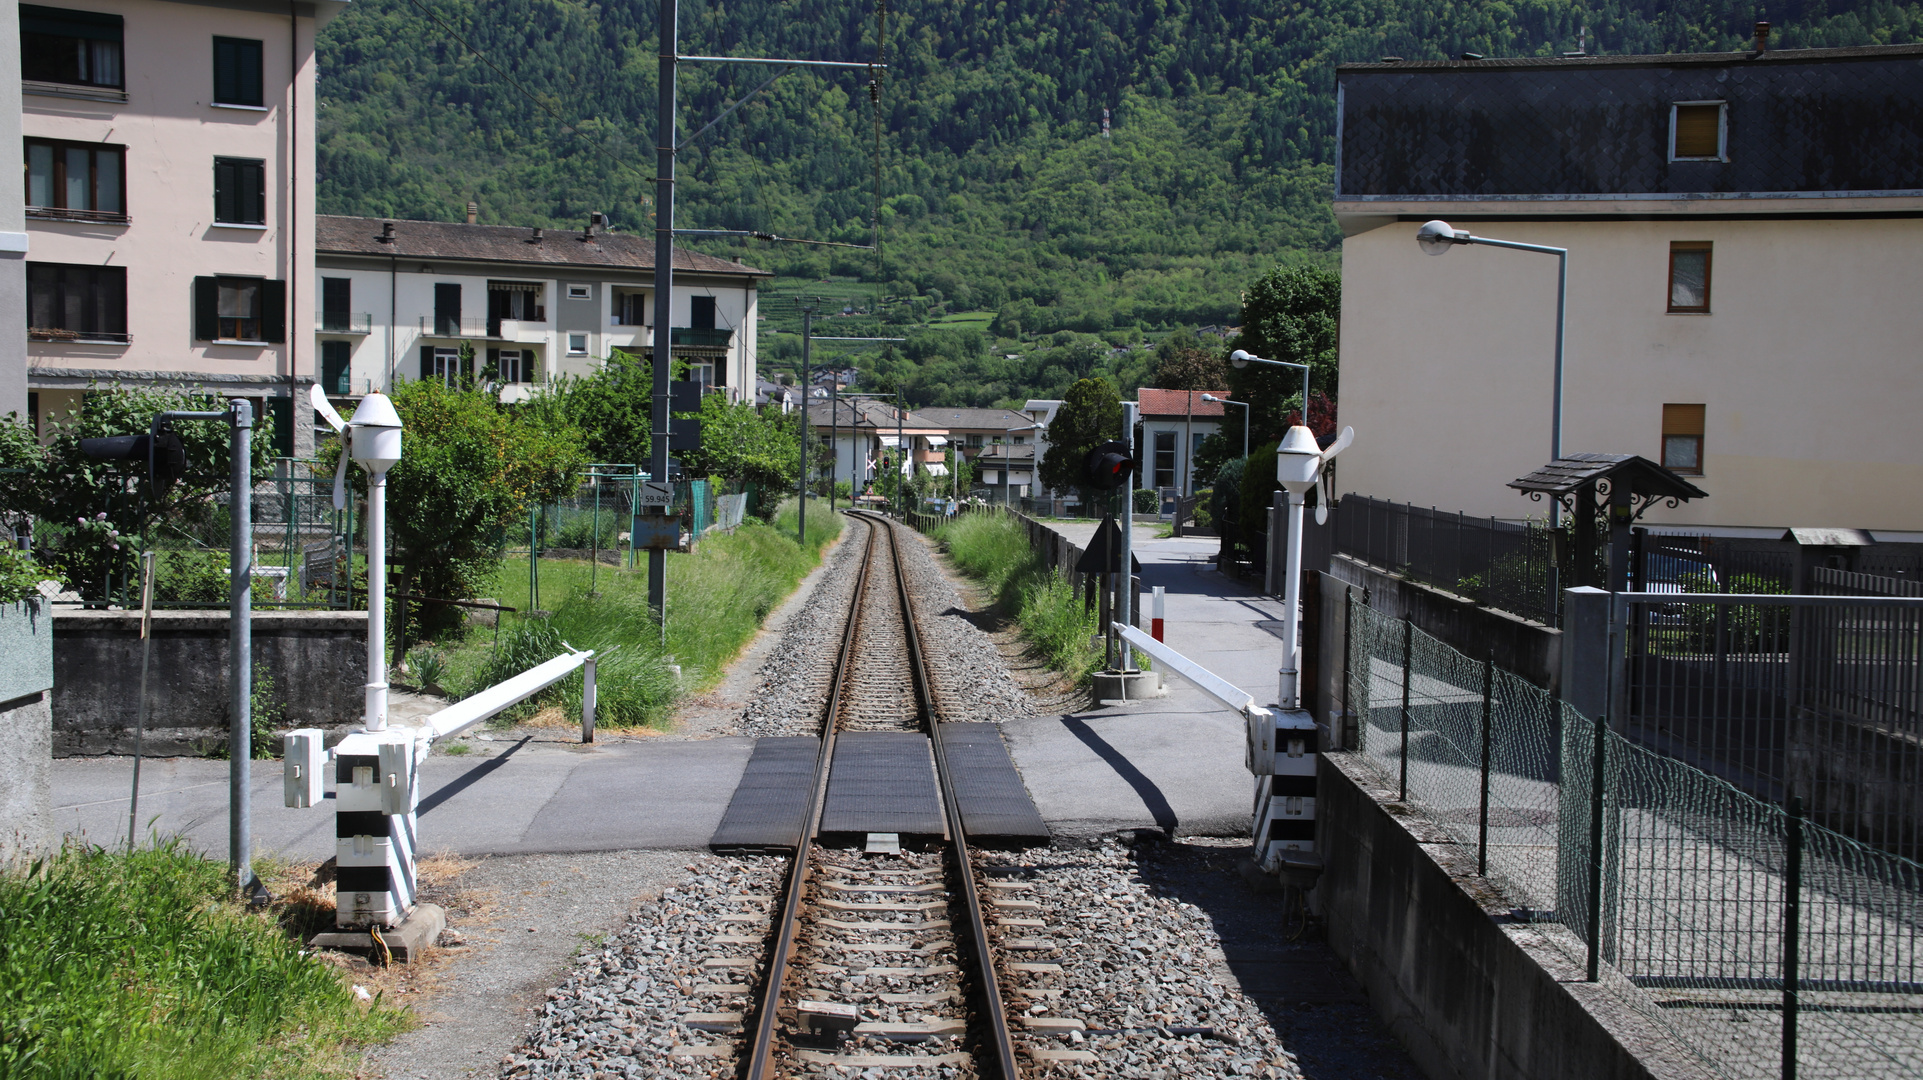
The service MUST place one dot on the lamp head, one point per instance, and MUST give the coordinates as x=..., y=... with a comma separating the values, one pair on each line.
x=1210, y=397
x=1298, y=460
x=377, y=442
x=1240, y=358
x=1437, y=237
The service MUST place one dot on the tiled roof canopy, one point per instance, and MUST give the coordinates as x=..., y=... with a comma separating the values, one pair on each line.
x=1172, y=403
x=1799, y=121
x=506, y=243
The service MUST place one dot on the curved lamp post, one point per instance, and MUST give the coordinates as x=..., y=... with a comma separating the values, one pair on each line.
x=1437, y=237
x=1245, y=418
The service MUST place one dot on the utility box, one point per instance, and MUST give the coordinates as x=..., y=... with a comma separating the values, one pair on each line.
x=304, y=759
x=1287, y=749
x=375, y=791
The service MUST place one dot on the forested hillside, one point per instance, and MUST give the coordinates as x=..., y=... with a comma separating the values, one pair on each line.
x=998, y=191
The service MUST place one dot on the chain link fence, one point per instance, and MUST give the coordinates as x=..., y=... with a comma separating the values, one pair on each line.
x=1768, y=945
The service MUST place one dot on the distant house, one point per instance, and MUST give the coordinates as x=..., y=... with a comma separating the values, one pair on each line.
x=397, y=299
x=864, y=431
x=1173, y=424
x=1745, y=237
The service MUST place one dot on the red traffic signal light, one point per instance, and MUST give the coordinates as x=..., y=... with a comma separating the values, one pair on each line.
x=1109, y=466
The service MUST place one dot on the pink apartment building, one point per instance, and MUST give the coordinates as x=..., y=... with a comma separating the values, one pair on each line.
x=169, y=164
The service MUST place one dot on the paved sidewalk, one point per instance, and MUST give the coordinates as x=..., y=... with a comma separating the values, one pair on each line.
x=1171, y=763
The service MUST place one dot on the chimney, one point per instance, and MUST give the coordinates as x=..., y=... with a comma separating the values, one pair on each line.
x=1762, y=38
x=387, y=233
x=536, y=238
x=473, y=212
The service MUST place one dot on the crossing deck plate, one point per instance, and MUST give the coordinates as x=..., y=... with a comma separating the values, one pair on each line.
x=771, y=801
x=882, y=781
x=994, y=802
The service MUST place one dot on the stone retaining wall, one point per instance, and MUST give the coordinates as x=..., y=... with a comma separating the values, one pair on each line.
x=317, y=661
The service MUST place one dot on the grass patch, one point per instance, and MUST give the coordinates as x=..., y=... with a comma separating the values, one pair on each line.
x=718, y=596
x=994, y=549
x=140, y=965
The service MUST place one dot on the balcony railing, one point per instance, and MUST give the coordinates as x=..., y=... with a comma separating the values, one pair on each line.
x=449, y=326
x=713, y=339
x=84, y=337
x=345, y=322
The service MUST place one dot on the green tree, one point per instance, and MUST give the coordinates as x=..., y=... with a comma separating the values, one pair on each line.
x=746, y=445
x=612, y=409
x=470, y=470
x=1290, y=314
x=1181, y=364
x=1090, y=415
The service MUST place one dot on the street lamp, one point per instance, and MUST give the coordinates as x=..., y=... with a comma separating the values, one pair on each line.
x=1008, y=465
x=1241, y=359
x=1245, y=418
x=1437, y=237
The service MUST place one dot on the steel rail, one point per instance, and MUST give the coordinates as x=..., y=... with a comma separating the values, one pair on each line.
x=985, y=982
x=761, y=1046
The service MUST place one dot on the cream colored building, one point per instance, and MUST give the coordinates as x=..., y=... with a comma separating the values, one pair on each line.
x=1742, y=285
x=398, y=299
x=169, y=156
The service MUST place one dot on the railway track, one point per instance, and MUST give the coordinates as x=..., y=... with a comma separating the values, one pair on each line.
x=879, y=957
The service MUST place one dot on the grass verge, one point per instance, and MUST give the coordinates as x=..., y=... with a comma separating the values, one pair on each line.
x=718, y=596
x=994, y=550
x=140, y=965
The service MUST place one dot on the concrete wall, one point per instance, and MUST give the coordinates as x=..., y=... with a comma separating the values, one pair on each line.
x=1524, y=648
x=1457, y=351
x=316, y=659
x=26, y=733
x=1458, y=983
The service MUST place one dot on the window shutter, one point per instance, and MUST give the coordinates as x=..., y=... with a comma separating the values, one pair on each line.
x=206, y=309
x=224, y=190
x=252, y=176
x=335, y=366
x=282, y=410
x=494, y=362
x=427, y=362
x=273, y=311
x=721, y=370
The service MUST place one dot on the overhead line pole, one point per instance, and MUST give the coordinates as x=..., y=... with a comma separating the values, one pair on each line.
x=668, y=41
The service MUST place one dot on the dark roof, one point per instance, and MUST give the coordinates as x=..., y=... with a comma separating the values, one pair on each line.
x=949, y=419
x=1799, y=121
x=507, y=243
x=1645, y=478
x=867, y=413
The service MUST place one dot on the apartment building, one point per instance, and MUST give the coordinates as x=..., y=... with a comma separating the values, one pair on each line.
x=1745, y=238
x=399, y=299
x=169, y=163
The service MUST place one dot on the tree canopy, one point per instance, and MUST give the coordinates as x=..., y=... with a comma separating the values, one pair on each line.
x=1090, y=415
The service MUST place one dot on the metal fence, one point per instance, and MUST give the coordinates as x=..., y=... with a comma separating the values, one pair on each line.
x=1816, y=696
x=1766, y=943
x=1501, y=564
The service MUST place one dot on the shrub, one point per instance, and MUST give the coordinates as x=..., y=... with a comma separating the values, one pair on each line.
x=1147, y=501
x=191, y=576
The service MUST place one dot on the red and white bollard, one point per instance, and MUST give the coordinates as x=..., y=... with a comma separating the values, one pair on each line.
x=1155, y=620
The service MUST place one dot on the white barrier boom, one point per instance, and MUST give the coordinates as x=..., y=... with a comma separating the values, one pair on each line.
x=1207, y=681
x=467, y=712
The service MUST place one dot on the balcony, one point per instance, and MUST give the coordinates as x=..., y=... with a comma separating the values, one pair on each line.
x=78, y=337
x=523, y=331
x=345, y=322
x=98, y=217
x=449, y=326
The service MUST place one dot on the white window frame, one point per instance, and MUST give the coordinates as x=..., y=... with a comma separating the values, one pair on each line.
x=1722, y=130
x=573, y=336
x=580, y=292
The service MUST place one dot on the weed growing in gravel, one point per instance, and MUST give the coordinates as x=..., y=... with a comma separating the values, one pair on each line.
x=994, y=550
x=140, y=964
